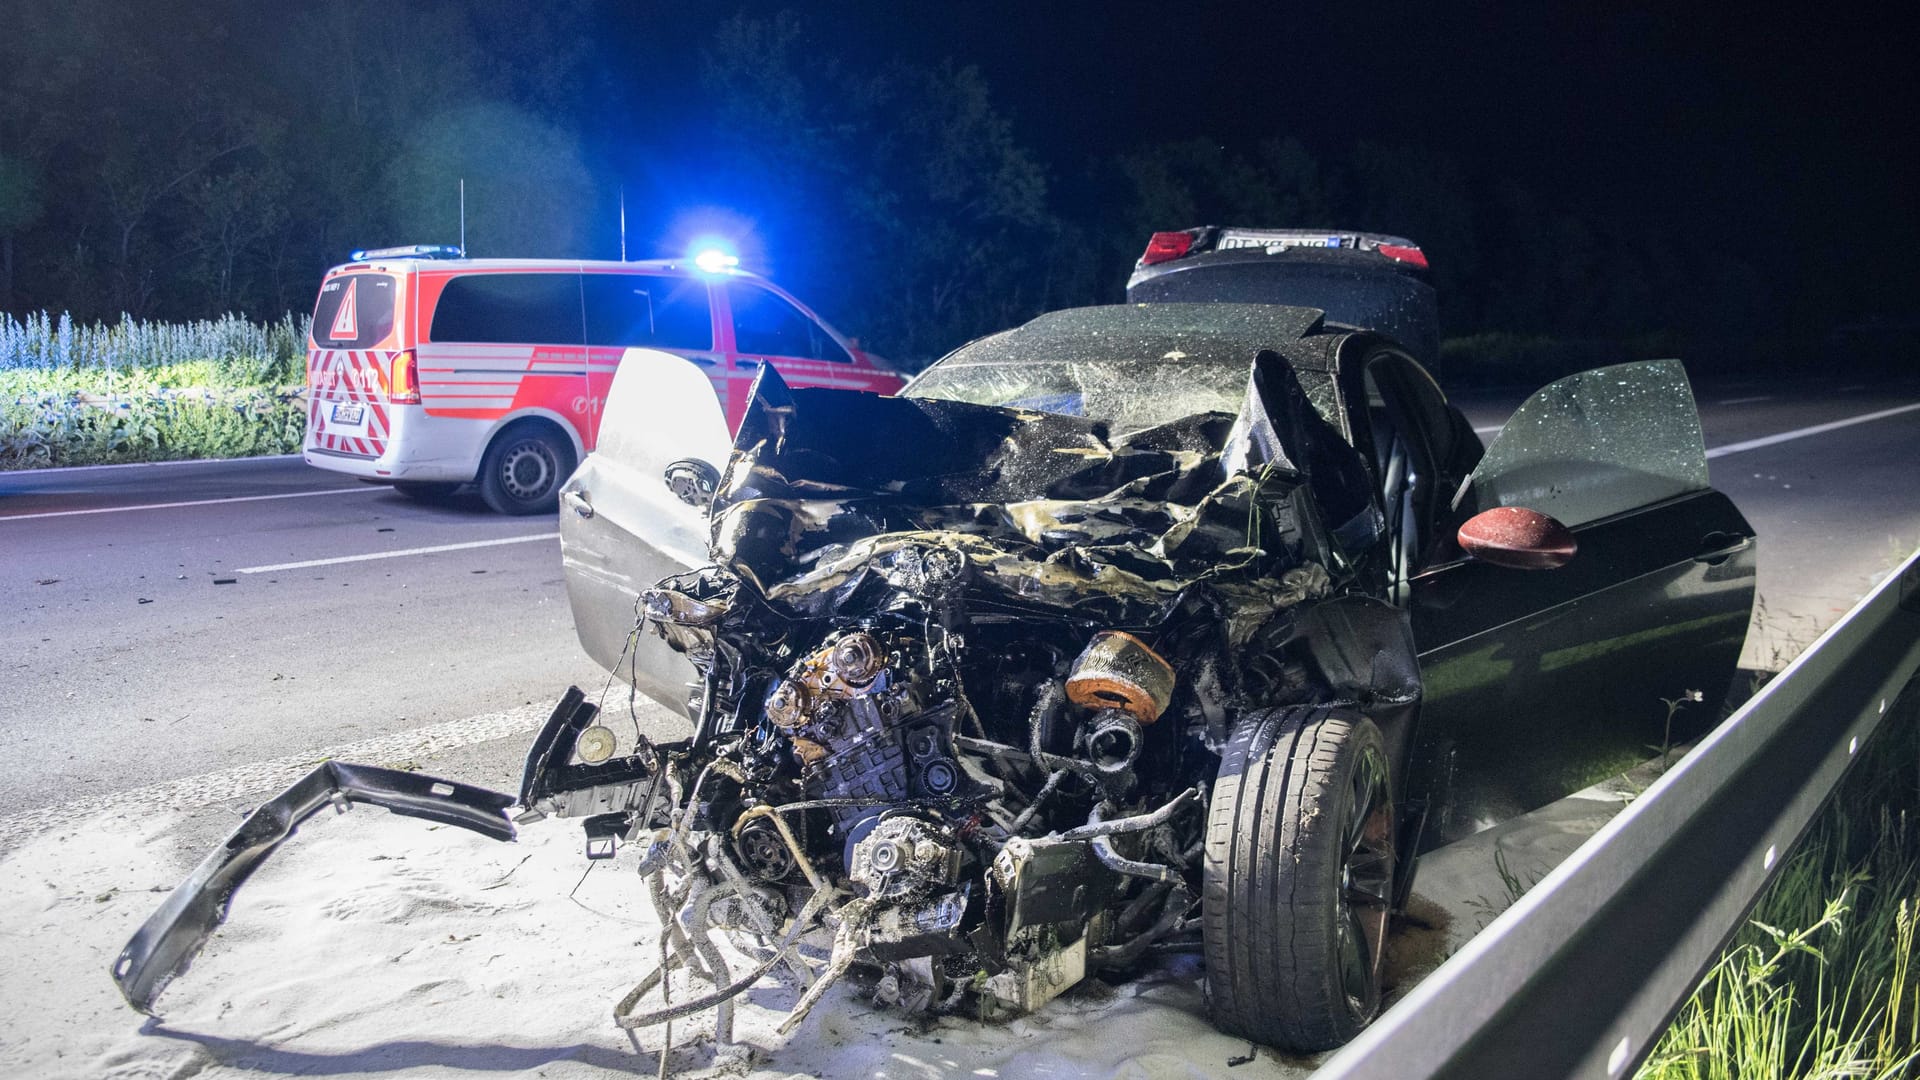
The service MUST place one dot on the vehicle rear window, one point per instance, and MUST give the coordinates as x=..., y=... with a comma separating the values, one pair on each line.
x=764, y=324
x=1351, y=292
x=355, y=311
x=648, y=310
x=521, y=309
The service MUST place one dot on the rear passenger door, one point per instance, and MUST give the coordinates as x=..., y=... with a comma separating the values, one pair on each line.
x=669, y=312
x=768, y=329
x=505, y=342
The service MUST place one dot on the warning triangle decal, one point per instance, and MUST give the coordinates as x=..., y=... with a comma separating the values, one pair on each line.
x=346, y=323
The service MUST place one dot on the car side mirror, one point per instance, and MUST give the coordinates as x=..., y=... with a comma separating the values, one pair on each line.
x=1516, y=537
x=692, y=481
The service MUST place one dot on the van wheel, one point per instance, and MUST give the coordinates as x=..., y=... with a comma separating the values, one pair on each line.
x=523, y=470
x=1298, y=878
x=424, y=492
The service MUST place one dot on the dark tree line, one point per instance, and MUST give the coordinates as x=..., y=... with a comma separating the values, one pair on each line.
x=219, y=158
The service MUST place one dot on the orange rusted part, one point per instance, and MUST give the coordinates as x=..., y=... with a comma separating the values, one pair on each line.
x=1119, y=671
x=787, y=705
x=808, y=751
x=844, y=669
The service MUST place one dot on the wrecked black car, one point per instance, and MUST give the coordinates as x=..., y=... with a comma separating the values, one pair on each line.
x=1131, y=629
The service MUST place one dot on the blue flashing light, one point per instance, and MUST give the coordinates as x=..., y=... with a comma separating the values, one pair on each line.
x=410, y=251
x=715, y=261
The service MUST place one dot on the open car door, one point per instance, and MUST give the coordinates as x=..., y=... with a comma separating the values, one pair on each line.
x=1539, y=682
x=636, y=511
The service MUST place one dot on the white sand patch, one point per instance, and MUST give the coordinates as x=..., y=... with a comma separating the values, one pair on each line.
x=372, y=946
x=378, y=946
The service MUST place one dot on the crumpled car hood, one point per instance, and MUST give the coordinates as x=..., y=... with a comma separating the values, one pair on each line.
x=830, y=493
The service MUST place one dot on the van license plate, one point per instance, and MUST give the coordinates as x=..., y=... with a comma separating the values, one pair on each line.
x=348, y=412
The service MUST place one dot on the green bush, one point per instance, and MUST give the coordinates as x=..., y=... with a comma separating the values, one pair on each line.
x=224, y=352
x=144, y=391
x=51, y=430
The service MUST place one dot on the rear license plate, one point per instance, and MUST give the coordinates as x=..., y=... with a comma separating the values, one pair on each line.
x=1230, y=241
x=349, y=412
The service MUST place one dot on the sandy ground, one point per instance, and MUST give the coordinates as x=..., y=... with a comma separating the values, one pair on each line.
x=377, y=946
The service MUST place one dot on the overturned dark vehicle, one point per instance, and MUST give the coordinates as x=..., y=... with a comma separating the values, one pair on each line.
x=1132, y=629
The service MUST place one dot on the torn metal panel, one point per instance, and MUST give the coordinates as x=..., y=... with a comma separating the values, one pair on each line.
x=173, y=935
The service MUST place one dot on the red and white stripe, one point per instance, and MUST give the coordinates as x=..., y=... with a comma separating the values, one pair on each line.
x=348, y=375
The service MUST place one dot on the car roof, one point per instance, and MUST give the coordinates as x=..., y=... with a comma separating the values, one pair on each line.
x=408, y=264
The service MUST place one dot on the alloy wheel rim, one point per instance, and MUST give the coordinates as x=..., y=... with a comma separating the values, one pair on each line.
x=1366, y=880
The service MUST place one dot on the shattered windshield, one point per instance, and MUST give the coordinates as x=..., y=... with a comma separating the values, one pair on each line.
x=1133, y=366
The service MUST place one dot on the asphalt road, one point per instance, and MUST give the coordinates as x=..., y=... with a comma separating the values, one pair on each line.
x=144, y=640
x=172, y=621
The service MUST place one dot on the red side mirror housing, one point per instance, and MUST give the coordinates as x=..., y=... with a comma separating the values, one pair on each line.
x=1517, y=537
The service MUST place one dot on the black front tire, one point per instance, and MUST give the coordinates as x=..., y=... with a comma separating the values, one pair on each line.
x=1297, y=878
x=523, y=470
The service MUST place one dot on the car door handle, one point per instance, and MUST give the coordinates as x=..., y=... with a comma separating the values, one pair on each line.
x=702, y=361
x=1718, y=547
x=577, y=502
x=747, y=362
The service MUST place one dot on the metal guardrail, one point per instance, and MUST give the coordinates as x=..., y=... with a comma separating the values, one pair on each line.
x=1582, y=976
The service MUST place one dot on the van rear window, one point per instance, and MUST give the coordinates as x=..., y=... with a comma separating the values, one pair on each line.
x=653, y=310
x=355, y=311
x=515, y=309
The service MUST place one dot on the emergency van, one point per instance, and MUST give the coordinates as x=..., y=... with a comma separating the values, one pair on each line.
x=427, y=369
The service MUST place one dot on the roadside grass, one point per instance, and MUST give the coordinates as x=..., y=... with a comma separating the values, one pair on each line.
x=1820, y=982
x=132, y=391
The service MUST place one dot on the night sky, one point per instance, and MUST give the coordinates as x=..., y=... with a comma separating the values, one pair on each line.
x=1632, y=98
x=1721, y=172
x=1789, y=126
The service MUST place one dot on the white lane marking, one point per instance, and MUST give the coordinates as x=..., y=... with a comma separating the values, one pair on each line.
x=274, y=775
x=156, y=464
x=1745, y=400
x=194, y=502
x=1801, y=433
x=398, y=554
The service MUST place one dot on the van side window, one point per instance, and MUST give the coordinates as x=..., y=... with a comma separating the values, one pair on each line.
x=764, y=324
x=654, y=310
x=519, y=309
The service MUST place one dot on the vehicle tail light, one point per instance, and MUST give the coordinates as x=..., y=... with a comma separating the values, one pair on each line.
x=1412, y=256
x=404, y=387
x=1164, y=246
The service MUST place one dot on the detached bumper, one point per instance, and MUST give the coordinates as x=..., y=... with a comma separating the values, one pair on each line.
x=173, y=935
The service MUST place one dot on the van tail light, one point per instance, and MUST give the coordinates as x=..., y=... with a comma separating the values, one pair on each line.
x=1412, y=256
x=1166, y=246
x=404, y=387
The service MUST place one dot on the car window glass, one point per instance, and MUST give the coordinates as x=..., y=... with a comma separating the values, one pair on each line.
x=653, y=310
x=764, y=324
x=525, y=309
x=1596, y=444
x=355, y=311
